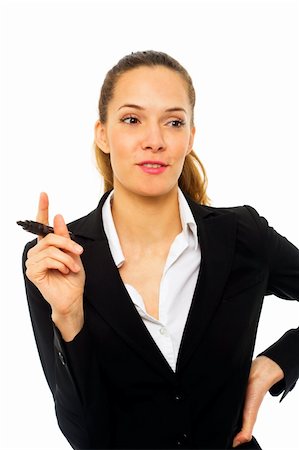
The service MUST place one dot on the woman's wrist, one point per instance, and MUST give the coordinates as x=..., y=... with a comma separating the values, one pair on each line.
x=267, y=369
x=69, y=324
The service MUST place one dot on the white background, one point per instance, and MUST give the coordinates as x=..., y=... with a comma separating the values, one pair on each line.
x=243, y=58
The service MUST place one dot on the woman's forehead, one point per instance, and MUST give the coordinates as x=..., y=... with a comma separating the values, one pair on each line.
x=151, y=85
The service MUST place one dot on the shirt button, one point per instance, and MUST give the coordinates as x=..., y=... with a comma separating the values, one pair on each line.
x=164, y=331
x=178, y=397
x=61, y=357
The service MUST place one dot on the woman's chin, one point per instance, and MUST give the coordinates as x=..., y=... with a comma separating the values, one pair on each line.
x=146, y=188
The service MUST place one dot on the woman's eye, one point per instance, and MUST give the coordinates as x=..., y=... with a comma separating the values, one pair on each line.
x=129, y=120
x=176, y=123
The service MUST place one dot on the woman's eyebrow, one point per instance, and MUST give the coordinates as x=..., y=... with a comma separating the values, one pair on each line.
x=131, y=105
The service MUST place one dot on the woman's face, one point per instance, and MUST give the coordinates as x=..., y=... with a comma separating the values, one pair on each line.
x=148, y=131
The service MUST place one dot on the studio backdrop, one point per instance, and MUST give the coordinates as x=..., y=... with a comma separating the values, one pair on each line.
x=243, y=59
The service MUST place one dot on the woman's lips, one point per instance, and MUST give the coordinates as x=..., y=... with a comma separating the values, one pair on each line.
x=153, y=167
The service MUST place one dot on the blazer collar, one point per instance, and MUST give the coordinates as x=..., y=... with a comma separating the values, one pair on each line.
x=106, y=293
x=91, y=226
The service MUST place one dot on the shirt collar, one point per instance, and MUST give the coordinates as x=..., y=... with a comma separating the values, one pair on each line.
x=111, y=232
x=188, y=224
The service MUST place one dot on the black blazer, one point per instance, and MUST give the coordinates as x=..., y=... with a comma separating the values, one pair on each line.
x=111, y=385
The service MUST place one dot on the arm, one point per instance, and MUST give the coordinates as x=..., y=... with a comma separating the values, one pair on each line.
x=283, y=282
x=54, y=356
x=277, y=368
x=54, y=280
x=264, y=373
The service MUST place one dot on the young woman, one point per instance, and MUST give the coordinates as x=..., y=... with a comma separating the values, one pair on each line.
x=146, y=321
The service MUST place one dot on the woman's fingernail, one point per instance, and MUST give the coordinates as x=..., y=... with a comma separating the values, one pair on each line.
x=78, y=248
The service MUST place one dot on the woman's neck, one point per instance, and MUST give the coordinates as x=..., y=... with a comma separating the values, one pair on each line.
x=146, y=221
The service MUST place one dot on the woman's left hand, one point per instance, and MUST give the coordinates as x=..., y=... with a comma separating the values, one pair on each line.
x=263, y=375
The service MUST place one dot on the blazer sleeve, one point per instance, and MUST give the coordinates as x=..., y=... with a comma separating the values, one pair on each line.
x=72, y=373
x=283, y=262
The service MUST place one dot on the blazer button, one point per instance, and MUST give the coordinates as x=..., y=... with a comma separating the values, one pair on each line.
x=182, y=440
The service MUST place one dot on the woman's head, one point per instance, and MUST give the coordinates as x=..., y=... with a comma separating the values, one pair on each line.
x=150, y=80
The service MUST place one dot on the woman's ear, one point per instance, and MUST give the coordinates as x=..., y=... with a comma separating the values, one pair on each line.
x=100, y=137
x=191, y=140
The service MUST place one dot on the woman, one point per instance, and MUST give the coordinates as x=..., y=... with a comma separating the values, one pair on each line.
x=146, y=324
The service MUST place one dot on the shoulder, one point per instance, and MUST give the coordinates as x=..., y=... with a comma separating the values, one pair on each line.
x=242, y=210
x=243, y=213
x=244, y=222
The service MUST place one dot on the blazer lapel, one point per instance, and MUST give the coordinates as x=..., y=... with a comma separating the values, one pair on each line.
x=217, y=234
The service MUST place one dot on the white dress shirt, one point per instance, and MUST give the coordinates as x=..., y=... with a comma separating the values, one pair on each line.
x=177, y=283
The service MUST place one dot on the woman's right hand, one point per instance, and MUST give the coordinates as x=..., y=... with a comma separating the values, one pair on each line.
x=54, y=266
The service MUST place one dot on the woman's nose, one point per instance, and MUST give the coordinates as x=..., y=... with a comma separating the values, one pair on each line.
x=153, y=139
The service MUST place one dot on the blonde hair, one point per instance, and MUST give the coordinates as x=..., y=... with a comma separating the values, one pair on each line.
x=193, y=179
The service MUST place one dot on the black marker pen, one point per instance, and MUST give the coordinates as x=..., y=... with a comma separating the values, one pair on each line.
x=38, y=228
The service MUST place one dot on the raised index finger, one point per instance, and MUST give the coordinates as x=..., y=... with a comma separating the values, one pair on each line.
x=43, y=209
